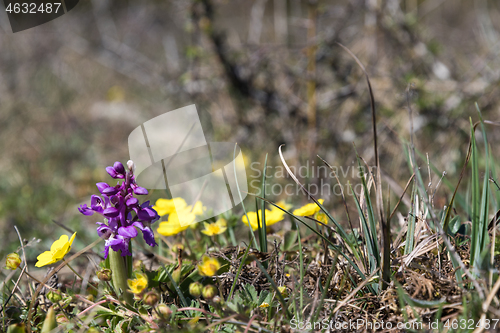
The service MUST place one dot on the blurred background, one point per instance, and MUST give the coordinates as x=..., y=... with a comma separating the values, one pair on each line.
x=261, y=72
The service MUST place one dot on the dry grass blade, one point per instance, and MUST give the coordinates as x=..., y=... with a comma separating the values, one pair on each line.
x=401, y=197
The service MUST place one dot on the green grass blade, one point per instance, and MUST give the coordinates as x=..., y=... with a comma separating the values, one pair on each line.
x=485, y=200
x=372, y=254
x=410, y=233
x=301, y=269
x=262, y=231
x=176, y=287
x=475, y=201
x=371, y=216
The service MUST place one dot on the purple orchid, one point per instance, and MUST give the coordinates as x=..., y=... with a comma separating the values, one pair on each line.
x=122, y=212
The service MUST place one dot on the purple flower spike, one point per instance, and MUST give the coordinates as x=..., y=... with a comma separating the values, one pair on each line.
x=124, y=213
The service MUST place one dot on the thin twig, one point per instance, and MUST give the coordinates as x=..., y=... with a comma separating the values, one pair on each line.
x=24, y=257
x=14, y=289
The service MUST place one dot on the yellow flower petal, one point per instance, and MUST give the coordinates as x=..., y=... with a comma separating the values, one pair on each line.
x=138, y=284
x=72, y=239
x=168, y=206
x=283, y=205
x=59, y=243
x=309, y=209
x=272, y=217
x=45, y=259
x=209, y=266
x=216, y=228
x=320, y=216
x=197, y=209
x=172, y=227
x=283, y=291
x=252, y=216
x=57, y=251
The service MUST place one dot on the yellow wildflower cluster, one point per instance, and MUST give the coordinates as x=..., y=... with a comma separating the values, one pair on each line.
x=273, y=216
x=174, y=208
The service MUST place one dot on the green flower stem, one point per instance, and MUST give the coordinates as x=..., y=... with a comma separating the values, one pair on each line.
x=119, y=275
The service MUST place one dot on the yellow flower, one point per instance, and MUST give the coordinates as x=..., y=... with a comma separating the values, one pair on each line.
x=172, y=226
x=216, y=228
x=320, y=216
x=209, y=266
x=264, y=305
x=176, y=208
x=138, y=284
x=309, y=209
x=57, y=251
x=168, y=206
x=273, y=216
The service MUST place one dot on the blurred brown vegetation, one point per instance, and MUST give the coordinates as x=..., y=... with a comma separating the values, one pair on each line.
x=262, y=73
